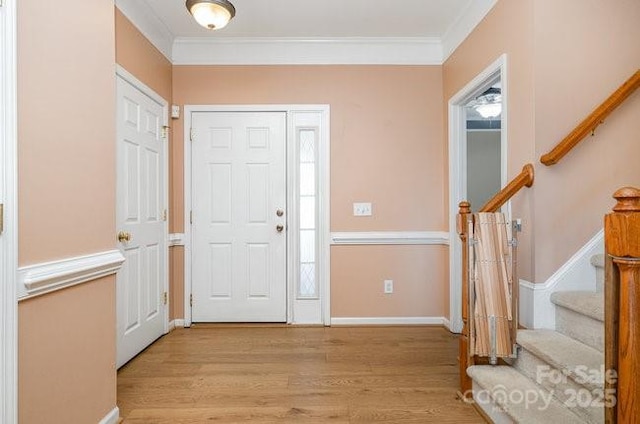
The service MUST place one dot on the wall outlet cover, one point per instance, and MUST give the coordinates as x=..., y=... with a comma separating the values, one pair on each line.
x=362, y=209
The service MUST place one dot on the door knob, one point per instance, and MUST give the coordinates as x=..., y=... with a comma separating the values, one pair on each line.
x=279, y=212
x=124, y=236
x=279, y=228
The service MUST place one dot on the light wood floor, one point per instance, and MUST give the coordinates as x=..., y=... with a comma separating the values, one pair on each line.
x=295, y=375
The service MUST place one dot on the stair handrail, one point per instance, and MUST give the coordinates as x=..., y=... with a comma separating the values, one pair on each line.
x=591, y=122
x=465, y=359
x=523, y=179
x=622, y=308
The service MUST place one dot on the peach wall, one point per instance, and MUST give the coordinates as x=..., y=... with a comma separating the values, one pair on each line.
x=66, y=192
x=560, y=69
x=67, y=355
x=66, y=129
x=386, y=148
x=508, y=28
x=137, y=55
x=358, y=272
x=584, y=51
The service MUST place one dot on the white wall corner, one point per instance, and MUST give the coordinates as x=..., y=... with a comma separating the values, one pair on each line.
x=148, y=23
x=305, y=51
x=112, y=417
x=464, y=25
x=536, y=309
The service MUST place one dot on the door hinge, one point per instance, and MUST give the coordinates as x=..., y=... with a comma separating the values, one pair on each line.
x=165, y=131
x=190, y=217
x=191, y=135
x=1, y=205
x=164, y=215
x=164, y=297
x=190, y=300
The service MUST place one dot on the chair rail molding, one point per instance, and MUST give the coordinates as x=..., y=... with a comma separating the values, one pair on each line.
x=390, y=238
x=38, y=279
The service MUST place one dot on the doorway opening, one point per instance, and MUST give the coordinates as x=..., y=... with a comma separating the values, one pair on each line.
x=477, y=160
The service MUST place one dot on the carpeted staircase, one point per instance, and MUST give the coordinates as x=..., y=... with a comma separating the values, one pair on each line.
x=558, y=376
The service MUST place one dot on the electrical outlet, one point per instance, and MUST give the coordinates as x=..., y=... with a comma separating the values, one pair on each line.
x=362, y=209
x=388, y=286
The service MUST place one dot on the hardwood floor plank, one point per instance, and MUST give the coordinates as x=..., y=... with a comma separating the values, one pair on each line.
x=279, y=374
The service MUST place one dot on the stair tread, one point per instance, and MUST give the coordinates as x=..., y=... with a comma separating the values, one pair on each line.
x=586, y=303
x=579, y=361
x=504, y=380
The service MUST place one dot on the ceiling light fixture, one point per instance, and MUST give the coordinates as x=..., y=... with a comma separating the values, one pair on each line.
x=489, y=103
x=211, y=14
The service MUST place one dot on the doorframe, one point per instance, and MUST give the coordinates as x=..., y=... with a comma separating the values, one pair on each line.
x=149, y=92
x=458, y=172
x=323, y=179
x=9, y=238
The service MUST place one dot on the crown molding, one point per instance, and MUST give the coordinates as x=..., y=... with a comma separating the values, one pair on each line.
x=305, y=51
x=465, y=24
x=148, y=23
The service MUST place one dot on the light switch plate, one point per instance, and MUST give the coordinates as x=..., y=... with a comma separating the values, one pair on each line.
x=362, y=209
x=175, y=111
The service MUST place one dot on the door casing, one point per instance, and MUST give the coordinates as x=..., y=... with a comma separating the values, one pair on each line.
x=458, y=172
x=8, y=197
x=295, y=312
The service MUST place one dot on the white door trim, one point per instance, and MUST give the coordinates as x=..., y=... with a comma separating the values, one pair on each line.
x=8, y=196
x=149, y=92
x=458, y=172
x=323, y=198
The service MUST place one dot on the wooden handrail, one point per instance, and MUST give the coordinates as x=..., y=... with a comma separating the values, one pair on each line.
x=523, y=179
x=622, y=306
x=589, y=125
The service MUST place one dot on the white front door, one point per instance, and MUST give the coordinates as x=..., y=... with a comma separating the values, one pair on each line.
x=239, y=217
x=140, y=216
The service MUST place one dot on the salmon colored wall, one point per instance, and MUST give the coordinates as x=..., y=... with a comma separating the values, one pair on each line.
x=358, y=272
x=66, y=192
x=584, y=51
x=564, y=58
x=66, y=129
x=67, y=355
x=386, y=148
x=137, y=55
x=507, y=28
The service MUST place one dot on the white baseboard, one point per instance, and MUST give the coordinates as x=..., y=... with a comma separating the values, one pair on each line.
x=388, y=321
x=446, y=323
x=112, y=417
x=176, y=323
x=536, y=309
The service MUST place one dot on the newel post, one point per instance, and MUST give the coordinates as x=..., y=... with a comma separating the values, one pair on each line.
x=622, y=292
x=465, y=359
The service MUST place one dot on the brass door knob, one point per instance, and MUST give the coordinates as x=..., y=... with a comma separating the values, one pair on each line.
x=124, y=236
x=279, y=228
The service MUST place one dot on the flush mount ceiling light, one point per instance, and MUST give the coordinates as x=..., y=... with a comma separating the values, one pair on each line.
x=211, y=14
x=489, y=103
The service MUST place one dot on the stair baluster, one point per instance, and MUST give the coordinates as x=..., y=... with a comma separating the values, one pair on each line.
x=622, y=305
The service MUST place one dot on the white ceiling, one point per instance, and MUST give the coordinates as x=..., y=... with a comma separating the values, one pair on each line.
x=311, y=31
x=320, y=19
